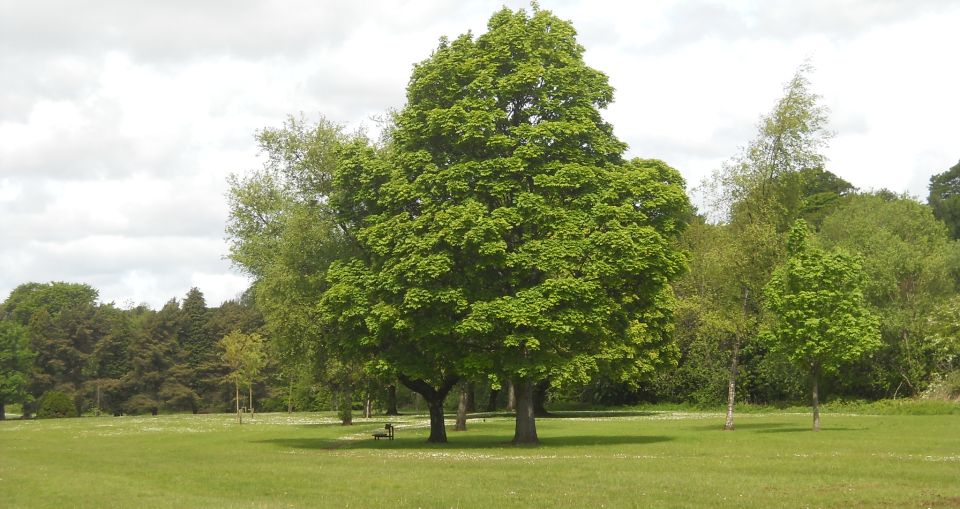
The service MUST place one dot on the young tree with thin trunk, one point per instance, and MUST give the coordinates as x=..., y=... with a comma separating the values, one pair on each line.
x=244, y=354
x=821, y=319
x=461, y=424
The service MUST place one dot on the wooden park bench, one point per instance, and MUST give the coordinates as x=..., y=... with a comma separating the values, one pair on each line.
x=386, y=432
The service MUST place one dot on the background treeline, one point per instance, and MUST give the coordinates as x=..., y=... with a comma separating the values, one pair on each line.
x=55, y=337
x=60, y=346
x=912, y=263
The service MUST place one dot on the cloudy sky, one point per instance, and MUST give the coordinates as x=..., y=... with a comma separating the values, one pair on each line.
x=121, y=119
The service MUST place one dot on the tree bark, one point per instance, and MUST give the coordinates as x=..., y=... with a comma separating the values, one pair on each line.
x=511, y=397
x=434, y=397
x=78, y=404
x=471, y=397
x=3, y=410
x=290, y=397
x=816, y=398
x=462, y=410
x=525, y=432
x=732, y=385
x=734, y=367
x=367, y=406
x=492, y=401
x=540, y=398
x=236, y=386
x=250, y=393
x=346, y=407
x=392, y=400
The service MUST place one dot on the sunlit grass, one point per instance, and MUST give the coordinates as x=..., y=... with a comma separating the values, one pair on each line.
x=638, y=458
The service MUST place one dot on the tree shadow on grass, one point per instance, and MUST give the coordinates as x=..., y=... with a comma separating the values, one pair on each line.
x=460, y=442
x=756, y=426
x=567, y=414
x=808, y=429
x=773, y=427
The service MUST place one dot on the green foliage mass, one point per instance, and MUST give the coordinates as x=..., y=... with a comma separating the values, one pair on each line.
x=911, y=267
x=55, y=404
x=124, y=360
x=510, y=236
x=944, y=198
x=822, y=319
x=16, y=363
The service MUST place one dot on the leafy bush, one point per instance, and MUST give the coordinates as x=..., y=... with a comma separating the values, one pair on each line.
x=944, y=388
x=141, y=404
x=55, y=404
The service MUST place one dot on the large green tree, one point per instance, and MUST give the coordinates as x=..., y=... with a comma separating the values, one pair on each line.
x=508, y=234
x=64, y=326
x=944, y=198
x=911, y=266
x=821, y=317
x=284, y=234
x=156, y=378
x=16, y=360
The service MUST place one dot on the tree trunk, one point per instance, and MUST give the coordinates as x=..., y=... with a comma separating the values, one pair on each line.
x=346, y=407
x=734, y=367
x=236, y=386
x=492, y=401
x=732, y=385
x=816, y=398
x=3, y=410
x=78, y=404
x=367, y=406
x=462, y=410
x=290, y=397
x=392, y=400
x=525, y=432
x=471, y=397
x=511, y=397
x=250, y=393
x=434, y=397
x=540, y=398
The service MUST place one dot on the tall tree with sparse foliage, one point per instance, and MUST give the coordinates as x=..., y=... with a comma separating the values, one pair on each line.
x=777, y=178
x=821, y=319
x=765, y=181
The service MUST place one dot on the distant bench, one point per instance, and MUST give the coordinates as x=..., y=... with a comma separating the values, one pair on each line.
x=386, y=432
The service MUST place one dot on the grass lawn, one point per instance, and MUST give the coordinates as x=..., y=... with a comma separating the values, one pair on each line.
x=604, y=459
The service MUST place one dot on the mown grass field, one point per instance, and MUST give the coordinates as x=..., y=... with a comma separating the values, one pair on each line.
x=605, y=459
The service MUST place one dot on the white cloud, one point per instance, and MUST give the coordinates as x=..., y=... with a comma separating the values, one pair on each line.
x=120, y=120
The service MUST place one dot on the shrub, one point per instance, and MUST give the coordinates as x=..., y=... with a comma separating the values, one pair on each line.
x=946, y=388
x=141, y=404
x=55, y=404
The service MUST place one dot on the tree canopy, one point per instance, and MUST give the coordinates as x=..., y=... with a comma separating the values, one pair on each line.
x=821, y=317
x=944, y=198
x=508, y=235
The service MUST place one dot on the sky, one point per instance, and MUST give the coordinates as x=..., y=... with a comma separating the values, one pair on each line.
x=120, y=120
